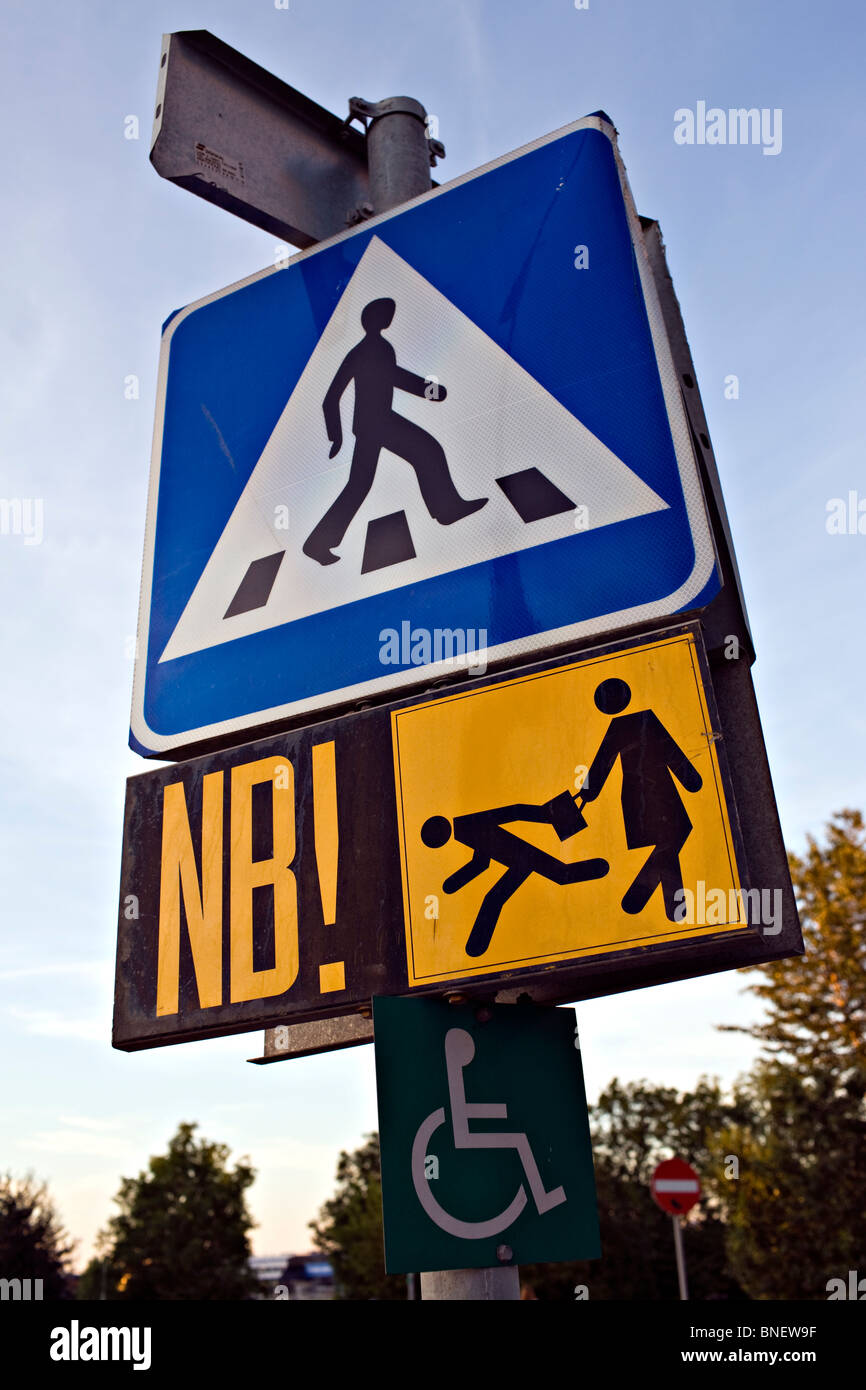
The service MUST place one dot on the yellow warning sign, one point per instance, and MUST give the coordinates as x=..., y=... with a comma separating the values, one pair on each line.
x=565, y=813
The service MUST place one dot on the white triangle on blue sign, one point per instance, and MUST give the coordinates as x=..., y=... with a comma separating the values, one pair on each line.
x=494, y=422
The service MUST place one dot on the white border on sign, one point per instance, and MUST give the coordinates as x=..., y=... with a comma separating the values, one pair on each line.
x=529, y=647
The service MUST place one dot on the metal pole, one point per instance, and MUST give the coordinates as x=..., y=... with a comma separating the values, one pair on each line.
x=399, y=153
x=398, y=158
x=681, y=1258
x=472, y=1284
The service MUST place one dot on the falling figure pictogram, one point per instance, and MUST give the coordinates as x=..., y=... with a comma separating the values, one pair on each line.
x=483, y=833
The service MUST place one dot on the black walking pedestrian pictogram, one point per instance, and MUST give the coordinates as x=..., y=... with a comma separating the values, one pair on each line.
x=483, y=833
x=372, y=366
x=652, y=809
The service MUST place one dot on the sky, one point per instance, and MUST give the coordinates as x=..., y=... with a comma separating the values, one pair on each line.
x=765, y=254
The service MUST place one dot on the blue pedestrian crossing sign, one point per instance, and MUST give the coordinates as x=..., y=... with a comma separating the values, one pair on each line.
x=451, y=436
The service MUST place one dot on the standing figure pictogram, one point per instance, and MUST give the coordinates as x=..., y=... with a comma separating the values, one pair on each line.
x=653, y=811
x=372, y=366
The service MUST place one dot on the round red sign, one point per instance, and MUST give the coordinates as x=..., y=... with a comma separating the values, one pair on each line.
x=675, y=1186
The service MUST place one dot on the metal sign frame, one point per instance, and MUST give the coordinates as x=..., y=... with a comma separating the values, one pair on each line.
x=367, y=939
x=459, y=1196
x=239, y=137
x=696, y=592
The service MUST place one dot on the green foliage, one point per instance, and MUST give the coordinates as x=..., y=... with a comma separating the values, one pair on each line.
x=33, y=1244
x=796, y=1217
x=349, y=1228
x=817, y=1002
x=92, y=1282
x=788, y=1214
x=635, y=1126
x=182, y=1231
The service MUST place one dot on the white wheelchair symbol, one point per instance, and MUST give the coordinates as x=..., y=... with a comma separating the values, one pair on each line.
x=459, y=1052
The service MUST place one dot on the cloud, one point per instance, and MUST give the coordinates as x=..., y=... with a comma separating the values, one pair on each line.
x=88, y=1122
x=294, y=1154
x=81, y=1136
x=48, y=1023
x=94, y=968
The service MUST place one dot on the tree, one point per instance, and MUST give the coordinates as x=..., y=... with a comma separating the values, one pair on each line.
x=796, y=1215
x=782, y=1161
x=634, y=1126
x=182, y=1231
x=33, y=1244
x=817, y=1002
x=349, y=1228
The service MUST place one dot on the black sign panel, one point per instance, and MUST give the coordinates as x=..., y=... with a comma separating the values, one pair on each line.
x=569, y=829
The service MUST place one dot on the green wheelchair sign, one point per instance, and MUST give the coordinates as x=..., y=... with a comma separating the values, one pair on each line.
x=486, y=1155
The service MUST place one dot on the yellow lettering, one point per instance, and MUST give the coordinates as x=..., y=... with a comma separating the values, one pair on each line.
x=247, y=874
x=202, y=902
x=326, y=827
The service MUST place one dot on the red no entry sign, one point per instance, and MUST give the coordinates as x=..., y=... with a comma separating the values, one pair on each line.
x=675, y=1186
